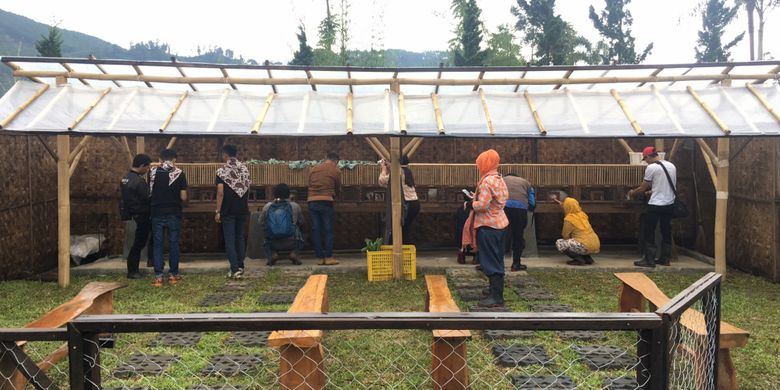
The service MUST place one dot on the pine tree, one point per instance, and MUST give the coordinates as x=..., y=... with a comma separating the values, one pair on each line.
x=715, y=16
x=466, y=45
x=553, y=40
x=50, y=45
x=305, y=54
x=614, y=23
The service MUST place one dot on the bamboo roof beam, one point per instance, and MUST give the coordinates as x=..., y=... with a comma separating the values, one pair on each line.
x=141, y=76
x=685, y=74
x=724, y=72
x=654, y=74
x=4, y=123
x=16, y=68
x=349, y=113
x=181, y=72
x=102, y=70
x=488, y=120
x=625, y=145
x=69, y=69
x=173, y=112
x=667, y=109
x=577, y=110
x=81, y=145
x=534, y=112
x=522, y=76
x=89, y=109
x=772, y=72
x=479, y=81
x=708, y=110
x=263, y=112
x=438, y=77
x=565, y=77
x=437, y=113
x=227, y=76
x=308, y=77
x=627, y=112
x=604, y=73
x=401, y=113
x=761, y=99
x=270, y=76
x=349, y=77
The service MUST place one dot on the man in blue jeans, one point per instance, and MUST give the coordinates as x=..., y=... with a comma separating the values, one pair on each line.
x=233, y=208
x=324, y=183
x=168, y=187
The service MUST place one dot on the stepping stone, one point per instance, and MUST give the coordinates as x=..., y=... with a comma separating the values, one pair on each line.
x=535, y=295
x=144, y=365
x=176, y=339
x=218, y=300
x=600, y=357
x=520, y=355
x=551, y=308
x=470, y=283
x=477, y=309
x=463, y=273
x=234, y=287
x=248, y=339
x=524, y=283
x=229, y=365
x=582, y=335
x=276, y=299
x=470, y=294
x=219, y=387
x=620, y=383
x=507, y=334
x=543, y=382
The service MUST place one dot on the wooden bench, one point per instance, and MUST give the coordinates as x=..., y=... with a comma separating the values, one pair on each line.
x=449, y=369
x=301, y=363
x=637, y=289
x=94, y=298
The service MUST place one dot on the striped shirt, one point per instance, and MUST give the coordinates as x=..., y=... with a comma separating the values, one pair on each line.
x=489, y=202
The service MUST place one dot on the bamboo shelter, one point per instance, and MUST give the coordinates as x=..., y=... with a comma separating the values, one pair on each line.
x=119, y=98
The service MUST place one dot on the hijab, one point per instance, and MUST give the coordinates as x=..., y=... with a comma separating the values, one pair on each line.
x=487, y=163
x=574, y=215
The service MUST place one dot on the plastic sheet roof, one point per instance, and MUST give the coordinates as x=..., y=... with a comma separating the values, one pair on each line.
x=127, y=97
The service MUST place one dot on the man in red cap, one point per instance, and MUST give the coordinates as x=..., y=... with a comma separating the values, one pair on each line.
x=661, y=181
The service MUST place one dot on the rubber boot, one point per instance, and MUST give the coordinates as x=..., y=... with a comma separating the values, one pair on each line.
x=576, y=259
x=588, y=260
x=496, y=298
x=666, y=254
x=649, y=260
x=516, y=265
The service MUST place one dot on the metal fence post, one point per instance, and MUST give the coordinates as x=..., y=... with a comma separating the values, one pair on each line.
x=75, y=358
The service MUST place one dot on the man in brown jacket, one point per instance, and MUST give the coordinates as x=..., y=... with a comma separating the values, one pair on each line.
x=324, y=183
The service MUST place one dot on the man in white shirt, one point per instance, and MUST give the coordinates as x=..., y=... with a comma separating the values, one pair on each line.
x=659, y=207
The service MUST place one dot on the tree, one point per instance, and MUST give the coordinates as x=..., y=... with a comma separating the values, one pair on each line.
x=763, y=7
x=327, y=30
x=614, y=24
x=343, y=24
x=466, y=45
x=50, y=45
x=750, y=6
x=554, y=40
x=151, y=50
x=305, y=54
x=715, y=16
x=502, y=49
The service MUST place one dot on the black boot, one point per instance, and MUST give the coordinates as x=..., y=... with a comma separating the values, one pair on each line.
x=588, y=259
x=516, y=266
x=575, y=258
x=666, y=254
x=649, y=260
x=496, y=298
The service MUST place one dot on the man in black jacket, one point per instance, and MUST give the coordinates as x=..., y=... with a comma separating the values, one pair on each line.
x=135, y=206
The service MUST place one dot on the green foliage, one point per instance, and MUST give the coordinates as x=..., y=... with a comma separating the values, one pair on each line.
x=50, y=45
x=305, y=54
x=554, y=41
x=466, y=45
x=715, y=16
x=372, y=246
x=150, y=50
x=502, y=49
x=614, y=24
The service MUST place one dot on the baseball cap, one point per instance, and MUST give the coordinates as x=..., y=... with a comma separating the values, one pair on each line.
x=649, y=151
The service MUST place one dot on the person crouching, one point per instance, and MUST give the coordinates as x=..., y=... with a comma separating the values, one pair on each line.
x=579, y=240
x=282, y=220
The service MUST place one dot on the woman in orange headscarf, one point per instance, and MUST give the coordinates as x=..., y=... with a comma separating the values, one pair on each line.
x=579, y=240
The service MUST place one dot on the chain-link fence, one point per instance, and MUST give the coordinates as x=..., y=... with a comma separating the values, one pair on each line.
x=40, y=364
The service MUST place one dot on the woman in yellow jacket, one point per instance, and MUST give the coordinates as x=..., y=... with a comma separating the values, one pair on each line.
x=579, y=240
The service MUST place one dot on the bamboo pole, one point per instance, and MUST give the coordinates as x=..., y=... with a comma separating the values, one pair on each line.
x=349, y=113
x=534, y=113
x=263, y=112
x=101, y=69
x=625, y=145
x=227, y=76
x=395, y=196
x=489, y=121
x=140, y=145
x=721, y=204
x=673, y=152
x=385, y=81
x=79, y=146
x=401, y=113
x=413, y=150
x=75, y=163
x=181, y=72
x=63, y=211
x=16, y=67
x=4, y=123
x=627, y=112
x=378, y=153
x=127, y=149
x=708, y=110
x=437, y=112
x=175, y=109
x=140, y=76
x=381, y=148
x=171, y=143
x=409, y=145
x=710, y=169
x=706, y=149
x=89, y=109
x=308, y=77
x=69, y=69
x=758, y=96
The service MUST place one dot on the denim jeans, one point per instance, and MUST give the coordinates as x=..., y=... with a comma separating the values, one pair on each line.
x=322, y=225
x=173, y=224
x=235, y=242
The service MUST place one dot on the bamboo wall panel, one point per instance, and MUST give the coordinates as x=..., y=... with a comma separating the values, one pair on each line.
x=750, y=243
x=14, y=177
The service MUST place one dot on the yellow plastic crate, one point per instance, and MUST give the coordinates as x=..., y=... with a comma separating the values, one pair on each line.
x=380, y=263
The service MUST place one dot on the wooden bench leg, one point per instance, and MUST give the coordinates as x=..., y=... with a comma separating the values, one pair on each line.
x=449, y=367
x=301, y=368
x=630, y=300
x=727, y=375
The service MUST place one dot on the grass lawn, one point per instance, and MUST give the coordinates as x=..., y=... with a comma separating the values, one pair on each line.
x=376, y=359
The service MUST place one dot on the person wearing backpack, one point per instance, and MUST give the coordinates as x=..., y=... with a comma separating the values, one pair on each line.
x=233, y=184
x=661, y=180
x=282, y=221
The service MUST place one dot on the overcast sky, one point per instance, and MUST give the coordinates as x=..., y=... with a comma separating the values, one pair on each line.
x=266, y=29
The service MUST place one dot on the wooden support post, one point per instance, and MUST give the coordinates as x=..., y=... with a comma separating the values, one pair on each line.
x=140, y=145
x=4, y=123
x=349, y=113
x=395, y=196
x=63, y=211
x=721, y=203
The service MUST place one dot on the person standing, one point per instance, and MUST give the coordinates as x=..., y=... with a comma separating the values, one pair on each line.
x=168, y=188
x=522, y=198
x=135, y=205
x=282, y=221
x=233, y=184
x=411, y=202
x=661, y=180
x=324, y=184
x=491, y=222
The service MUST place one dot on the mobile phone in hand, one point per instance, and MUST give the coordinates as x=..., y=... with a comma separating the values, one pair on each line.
x=467, y=193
